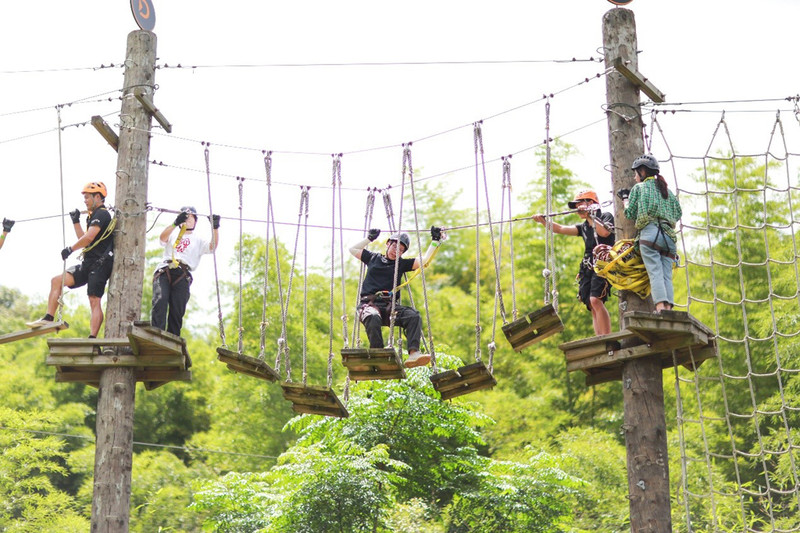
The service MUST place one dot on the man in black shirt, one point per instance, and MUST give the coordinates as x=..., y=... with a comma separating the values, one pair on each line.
x=597, y=228
x=380, y=286
x=98, y=258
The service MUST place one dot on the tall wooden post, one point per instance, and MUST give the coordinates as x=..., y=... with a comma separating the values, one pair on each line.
x=115, y=402
x=642, y=385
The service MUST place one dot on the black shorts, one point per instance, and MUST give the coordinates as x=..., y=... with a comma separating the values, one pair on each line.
x=94, y=275
x=590, y=284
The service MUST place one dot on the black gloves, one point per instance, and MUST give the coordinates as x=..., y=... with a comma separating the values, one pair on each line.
x=181, y=218
x=373, y=233
x=215, y=221
x=66, y=253
x=75, y=216
x=7, y=225
x=436, y=233
x=623, y=194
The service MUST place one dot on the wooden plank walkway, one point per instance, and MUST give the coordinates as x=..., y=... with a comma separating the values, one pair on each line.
x=674, y=337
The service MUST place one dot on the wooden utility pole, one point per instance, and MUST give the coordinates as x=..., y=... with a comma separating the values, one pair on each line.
x=115, y=401
x=642, y=386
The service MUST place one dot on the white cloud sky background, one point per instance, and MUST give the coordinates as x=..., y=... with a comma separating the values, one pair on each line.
x=694, y=51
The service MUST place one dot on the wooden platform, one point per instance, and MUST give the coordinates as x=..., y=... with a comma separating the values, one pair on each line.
x=313, y=400
x=365, y=364
x=466, y=379
x=55, y=327
x=158, y=357
x=645, y=335
x=244, y=364
x=533, y=327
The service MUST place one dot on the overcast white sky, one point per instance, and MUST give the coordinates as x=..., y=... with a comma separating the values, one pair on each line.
x=694, y=51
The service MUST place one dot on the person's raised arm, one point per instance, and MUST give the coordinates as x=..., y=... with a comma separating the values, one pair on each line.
x=180, y=219
x=436, y=241
x=214, y=232
x=358, y=247
x=557, y=228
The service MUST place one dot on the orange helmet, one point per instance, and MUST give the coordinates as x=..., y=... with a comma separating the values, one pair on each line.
x=583, y=195
x=95, y=187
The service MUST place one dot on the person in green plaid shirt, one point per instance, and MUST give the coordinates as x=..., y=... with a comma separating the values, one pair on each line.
x=655, y=211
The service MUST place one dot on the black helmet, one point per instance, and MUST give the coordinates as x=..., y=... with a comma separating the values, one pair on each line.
x=647, y=160
x=402, y=237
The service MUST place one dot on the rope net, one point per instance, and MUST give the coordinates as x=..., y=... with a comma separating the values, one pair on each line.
x=738, y=415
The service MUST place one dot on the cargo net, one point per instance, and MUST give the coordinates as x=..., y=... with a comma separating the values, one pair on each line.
x=737, y=418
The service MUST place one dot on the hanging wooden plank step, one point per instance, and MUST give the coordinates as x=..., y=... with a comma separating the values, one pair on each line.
x=244, y=364
x=313, y=400
x=674, y=337
x=533, y=327
x=55, y=327
x=466, y=379
x=365, y=364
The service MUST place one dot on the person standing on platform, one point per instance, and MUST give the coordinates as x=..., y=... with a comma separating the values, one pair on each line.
x=172, y=278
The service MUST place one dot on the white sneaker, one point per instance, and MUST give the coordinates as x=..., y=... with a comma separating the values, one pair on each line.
x=416, y=359
x=39, y=323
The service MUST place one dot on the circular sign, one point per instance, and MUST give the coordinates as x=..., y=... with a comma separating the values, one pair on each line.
x=620, y=2
x=144, y=13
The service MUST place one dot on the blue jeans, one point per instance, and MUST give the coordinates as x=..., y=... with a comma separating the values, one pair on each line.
x=658, y=265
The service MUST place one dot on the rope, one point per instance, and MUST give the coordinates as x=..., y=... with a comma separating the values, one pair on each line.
x=336, y=163
x=338, y=175
x=476, y=136
x=281, y=350
x=549, y=272
x=387, y=204
x=60, y=306
x=367, y=221
x=262, y=352
x=422, y=264
x=407, y=169
x=507, y=195
x=282, y=342
x=241, y=244
x=498, y=293
x=305, y=293
x=221, y=325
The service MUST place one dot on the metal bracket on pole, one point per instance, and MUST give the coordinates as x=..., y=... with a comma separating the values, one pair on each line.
x=640, y=81
x=105, y=130
x=152, y=109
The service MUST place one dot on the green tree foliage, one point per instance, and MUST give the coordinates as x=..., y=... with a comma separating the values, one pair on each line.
x=32, y=458
x=399, y=446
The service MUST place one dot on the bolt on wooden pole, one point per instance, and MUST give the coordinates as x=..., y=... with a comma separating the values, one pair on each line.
x=115, y=401
x=642, y=385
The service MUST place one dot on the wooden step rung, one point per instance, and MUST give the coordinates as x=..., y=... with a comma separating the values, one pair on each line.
x=313, y=400
x=364, y=364
x=246, y=364
x=466, y=379
x=533, y=327
x=55, y=327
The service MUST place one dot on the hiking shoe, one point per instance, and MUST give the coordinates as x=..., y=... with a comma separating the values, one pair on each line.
x=39, y=323
x=416, y=359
